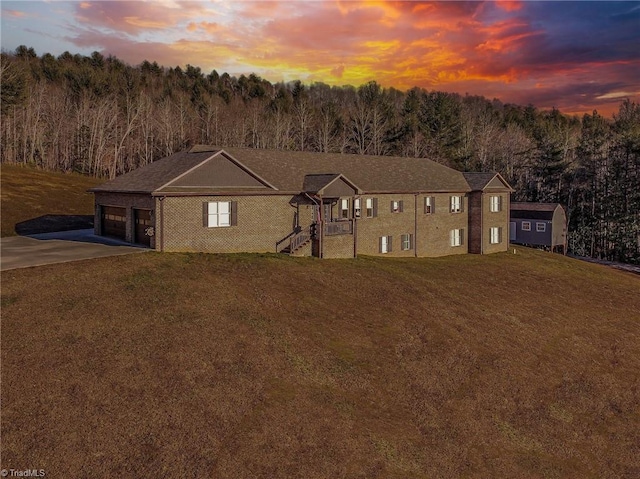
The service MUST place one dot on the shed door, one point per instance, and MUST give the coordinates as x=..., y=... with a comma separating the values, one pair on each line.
x=114, y=222
x=512, y=231
x=143, y=226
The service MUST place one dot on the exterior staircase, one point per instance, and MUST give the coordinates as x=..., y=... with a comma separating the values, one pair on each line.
x=297, y=240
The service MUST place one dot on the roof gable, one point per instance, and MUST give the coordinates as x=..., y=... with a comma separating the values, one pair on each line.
x=333, y=184
x=148, y=178
x=220, y=171
x=489, y=180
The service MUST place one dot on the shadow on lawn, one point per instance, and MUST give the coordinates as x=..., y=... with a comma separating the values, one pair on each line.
x=54, y=223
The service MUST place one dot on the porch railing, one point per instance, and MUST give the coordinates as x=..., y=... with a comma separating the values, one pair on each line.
x=339, y=227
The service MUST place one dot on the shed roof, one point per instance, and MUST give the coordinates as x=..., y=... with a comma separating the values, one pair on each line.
x=536, y=211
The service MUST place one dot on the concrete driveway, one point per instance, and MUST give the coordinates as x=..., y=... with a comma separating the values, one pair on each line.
x=61, y=247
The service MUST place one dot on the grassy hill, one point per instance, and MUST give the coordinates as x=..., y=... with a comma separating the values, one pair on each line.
x=519, y=365
x=27, y=193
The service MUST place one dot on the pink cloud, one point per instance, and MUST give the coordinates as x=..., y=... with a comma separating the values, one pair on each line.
x=14, y=13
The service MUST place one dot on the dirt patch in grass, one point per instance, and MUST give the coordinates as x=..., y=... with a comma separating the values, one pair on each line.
x=40, y=200
x=264, y=366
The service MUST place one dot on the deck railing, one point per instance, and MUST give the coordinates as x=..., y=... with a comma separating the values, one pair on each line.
x=338, y=227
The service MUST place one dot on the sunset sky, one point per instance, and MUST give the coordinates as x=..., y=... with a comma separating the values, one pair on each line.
x=575, y=56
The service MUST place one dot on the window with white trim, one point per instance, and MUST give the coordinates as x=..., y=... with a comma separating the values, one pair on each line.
x=396, y=207
x=357, y=211
x=219, y=214
x=456, y=204
x=385, y=244
x=429, y=205
x=344, y=208
x=495, y=203
x=372, y=207
x=526, y=226
x=541, y=227
x=496, y=235
x=457, y=237
x=406, y=242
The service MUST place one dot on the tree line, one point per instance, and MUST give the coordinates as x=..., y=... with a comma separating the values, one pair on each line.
x=99, y=116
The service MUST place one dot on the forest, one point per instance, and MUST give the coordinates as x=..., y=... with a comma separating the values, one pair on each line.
x=99, y=116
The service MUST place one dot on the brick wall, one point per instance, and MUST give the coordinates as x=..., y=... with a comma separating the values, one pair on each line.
x=433, y=230
x=261, y=222
x=495, y=219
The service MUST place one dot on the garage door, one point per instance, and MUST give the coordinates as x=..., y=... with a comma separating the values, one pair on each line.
x=143, y=226
x=114, y=222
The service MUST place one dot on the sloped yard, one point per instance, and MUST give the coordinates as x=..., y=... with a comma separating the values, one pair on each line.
x=179, y=365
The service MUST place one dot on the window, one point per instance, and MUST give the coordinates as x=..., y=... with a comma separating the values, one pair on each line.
x=220, y=214
x=344, y=208
x=456, y=204
x=385, y=244
x=457, y=237
x=541, y=227
x=496, y=235
x=496, y=203
x=356, y=208
x=372, y=207
x=526, y=226
x=429, y=205
x=396, y=206
x=407, y=242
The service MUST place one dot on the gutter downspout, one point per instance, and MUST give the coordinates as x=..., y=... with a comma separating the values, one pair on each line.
x=161, y=235
x=415, y=225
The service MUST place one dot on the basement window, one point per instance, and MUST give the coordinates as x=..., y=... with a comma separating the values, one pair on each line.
x=407, y=242
x=496, y=235
x=457, y=236
x=385, y=244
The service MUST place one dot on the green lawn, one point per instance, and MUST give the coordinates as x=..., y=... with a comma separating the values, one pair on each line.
x=519, y=365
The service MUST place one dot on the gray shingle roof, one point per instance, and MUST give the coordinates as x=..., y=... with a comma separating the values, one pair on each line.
x=149, y=178
x=286, y=170
x=314, y=183
x=477, y=181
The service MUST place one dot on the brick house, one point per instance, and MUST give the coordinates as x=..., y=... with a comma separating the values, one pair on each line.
x=305, y=204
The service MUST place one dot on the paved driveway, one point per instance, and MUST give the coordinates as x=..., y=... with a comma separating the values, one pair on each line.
x=49, y=248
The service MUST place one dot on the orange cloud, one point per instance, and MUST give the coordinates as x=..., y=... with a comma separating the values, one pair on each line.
x=14, y=13
x=208, y=27
x=509, y=5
